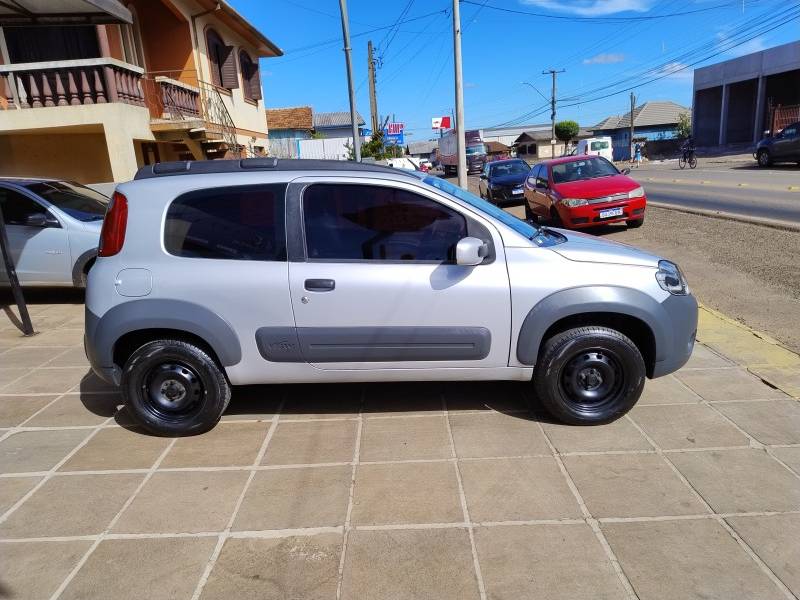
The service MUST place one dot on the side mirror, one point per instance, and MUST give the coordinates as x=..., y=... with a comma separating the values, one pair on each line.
x=542, y=185
x=626, y=171
x=483, y=176
x=471, y=251
x=37, y=220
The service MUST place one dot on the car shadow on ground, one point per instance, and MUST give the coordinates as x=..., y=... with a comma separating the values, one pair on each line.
x=343, y=400
x=778, y=167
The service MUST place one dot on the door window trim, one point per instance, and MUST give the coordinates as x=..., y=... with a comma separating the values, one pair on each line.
x=296, y=246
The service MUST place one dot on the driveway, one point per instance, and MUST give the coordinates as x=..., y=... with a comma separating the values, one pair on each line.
x=401, y=491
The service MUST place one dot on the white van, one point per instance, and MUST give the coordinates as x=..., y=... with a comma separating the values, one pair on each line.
x=596, y=146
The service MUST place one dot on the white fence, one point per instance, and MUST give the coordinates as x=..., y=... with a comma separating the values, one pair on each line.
x=332, y=148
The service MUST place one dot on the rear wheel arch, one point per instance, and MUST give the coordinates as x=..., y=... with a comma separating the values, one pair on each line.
x=631, y=312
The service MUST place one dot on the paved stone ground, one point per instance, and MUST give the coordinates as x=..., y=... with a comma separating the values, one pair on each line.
x=401, y=491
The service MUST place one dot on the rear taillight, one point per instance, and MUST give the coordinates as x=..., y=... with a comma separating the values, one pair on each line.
x=112, y=236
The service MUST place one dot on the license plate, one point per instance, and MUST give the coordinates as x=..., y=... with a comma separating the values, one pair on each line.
x=611, y=212
x=516, y=190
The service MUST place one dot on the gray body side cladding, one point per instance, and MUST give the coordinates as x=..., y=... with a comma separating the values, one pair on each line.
x=372, y=344
x=80, y=264
x=606, y=299
x=103, y=332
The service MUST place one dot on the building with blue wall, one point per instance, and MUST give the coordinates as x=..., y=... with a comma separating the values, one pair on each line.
x=651, y=121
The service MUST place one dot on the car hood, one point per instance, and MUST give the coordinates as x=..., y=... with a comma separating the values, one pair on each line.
x=583, y=247
x=596, y=188
x=508, y=179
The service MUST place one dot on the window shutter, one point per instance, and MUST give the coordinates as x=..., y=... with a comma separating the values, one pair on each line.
x=230, y=78
x=255, y=82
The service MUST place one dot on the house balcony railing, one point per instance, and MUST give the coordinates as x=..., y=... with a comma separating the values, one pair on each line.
x=171, y=100
x=70, y=83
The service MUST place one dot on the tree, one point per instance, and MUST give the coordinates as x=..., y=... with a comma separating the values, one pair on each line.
x=684, y=125
x=375, y=148
x=566, y=131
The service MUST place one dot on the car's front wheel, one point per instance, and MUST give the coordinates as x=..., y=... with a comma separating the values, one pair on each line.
x=589, y=375
x=635, y=223
x=172, y=387
x=764, y=159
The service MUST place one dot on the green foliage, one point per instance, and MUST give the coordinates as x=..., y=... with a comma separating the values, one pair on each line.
x=376, y=148
x=684, y=125
x=566, y=131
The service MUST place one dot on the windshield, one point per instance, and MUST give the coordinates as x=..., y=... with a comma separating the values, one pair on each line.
x=476, y=149
x=78, y=201
x=516, y=167
x=577, y=170
x=522, y=227
x=599, y=145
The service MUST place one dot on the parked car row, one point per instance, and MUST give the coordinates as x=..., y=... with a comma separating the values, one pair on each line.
x=572, y=191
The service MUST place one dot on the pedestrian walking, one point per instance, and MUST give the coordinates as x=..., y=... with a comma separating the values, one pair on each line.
x=637, y=155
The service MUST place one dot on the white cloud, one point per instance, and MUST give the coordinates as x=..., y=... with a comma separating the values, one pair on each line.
x=604, y=59
x=677, y=71
x=592, y=8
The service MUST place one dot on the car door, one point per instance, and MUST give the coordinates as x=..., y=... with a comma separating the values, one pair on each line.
x=541, y=191
x=40, y=251
x=483, y=182
x=374, y=284
x=530, y=188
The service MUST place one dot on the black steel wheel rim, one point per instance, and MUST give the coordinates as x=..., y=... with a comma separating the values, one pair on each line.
x=173, y=391
x=592, y=379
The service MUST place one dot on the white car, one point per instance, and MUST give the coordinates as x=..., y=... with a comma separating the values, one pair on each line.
x=596, y=146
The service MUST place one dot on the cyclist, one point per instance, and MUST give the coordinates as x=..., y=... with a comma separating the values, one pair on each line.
x=687, y=148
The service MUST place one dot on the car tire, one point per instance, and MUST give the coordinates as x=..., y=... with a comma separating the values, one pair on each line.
x=764, y=159
x=589, y=375
x=555, y=218
x=172, y=387
x=633, y=224
x=530, y=215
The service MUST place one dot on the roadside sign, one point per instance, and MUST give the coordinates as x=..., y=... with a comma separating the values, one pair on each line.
x=440, y=123
x=393, y=133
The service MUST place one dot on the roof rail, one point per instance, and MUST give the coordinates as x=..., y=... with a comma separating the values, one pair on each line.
x=205, y=167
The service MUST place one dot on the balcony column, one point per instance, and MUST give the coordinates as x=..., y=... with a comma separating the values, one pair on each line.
x=121, y=154
x=108, y=72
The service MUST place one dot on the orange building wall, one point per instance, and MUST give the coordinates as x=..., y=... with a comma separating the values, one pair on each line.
x=167, y=41
x=81, y=157
x=114, y=41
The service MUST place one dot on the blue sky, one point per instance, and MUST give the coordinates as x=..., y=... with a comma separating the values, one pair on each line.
x=502, y=48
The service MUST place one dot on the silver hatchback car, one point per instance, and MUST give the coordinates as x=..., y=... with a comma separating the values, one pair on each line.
x=53, y=230
x=221, y=273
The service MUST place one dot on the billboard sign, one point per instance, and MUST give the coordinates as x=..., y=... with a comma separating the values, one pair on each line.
x=393, y=134
x=440, y=123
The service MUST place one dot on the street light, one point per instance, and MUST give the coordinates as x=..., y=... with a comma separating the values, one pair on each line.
x=534, y=88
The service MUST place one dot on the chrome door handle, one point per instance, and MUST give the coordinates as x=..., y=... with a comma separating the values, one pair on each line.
x=320, y=285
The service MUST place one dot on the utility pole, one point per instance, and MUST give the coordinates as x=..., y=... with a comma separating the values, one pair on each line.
x=373, y=99
x=633, y=107
x=353, y=117
x=553, y=72
x=461, y=143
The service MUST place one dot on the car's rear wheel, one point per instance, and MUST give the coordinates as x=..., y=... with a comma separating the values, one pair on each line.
x=589, y=375
x=172, y=387
x=764, y=159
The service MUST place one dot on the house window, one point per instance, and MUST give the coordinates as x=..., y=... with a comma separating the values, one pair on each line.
x=222, y=61
x=251, y=81
x=132, y=40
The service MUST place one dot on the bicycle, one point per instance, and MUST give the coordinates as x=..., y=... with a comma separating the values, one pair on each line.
x=687, y=157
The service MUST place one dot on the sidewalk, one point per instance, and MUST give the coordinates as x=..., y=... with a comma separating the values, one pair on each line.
x=446, y=491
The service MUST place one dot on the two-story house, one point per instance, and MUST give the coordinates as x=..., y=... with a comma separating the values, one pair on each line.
x=149, y=81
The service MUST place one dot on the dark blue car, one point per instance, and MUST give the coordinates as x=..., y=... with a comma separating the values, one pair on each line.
x=502, y=181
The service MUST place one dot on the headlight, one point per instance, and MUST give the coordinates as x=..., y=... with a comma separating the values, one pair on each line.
x=573, y=202
x=637, y=193
x=671, y=279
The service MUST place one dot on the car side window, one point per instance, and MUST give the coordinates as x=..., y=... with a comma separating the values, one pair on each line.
x=370, y=222
x=18, y=207
x=541, y=177
x=234, y=223
x=534, y=173
x=790, y=131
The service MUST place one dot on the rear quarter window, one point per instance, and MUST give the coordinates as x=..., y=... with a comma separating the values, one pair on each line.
x=233, y=223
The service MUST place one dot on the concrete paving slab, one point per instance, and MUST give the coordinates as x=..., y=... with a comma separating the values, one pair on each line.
x=720, y=385
x=14, y=488
x=312, y=442
x=415, y=398
x=517, y=489
x=696, y=559
x=71, y=357
x=619, y=435
x=295, y=498
x=790, y=456
x=227, y=445
x=705, y=358
x=28, y=358
x=117, y=448
x=183, y=502
x=406, y=493
x=775, y=422
x=497, y=434
x=740, y=480
x=9, y=374
x=631, y=485
x=666, y=390
x=687, y=426
x=406, y=438
x=787, y=378
x=557, y=562
x=16, y=409
x=75, y=410
x=33, y=451
x=71, y=506
x=775, y=539
x=46, y=381
x=254, y=402
x=322, y=401
x=484, y=396
x=276, y=569
x=156, y=569
x=403, y=564
x=35, y=570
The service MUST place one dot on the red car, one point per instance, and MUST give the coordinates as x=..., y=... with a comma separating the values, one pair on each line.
x=583, y=191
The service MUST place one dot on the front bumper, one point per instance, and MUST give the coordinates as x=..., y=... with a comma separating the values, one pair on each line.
x=589, y=215
x=682, y=313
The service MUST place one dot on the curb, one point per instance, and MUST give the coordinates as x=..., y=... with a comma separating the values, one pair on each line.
x=726, y=216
